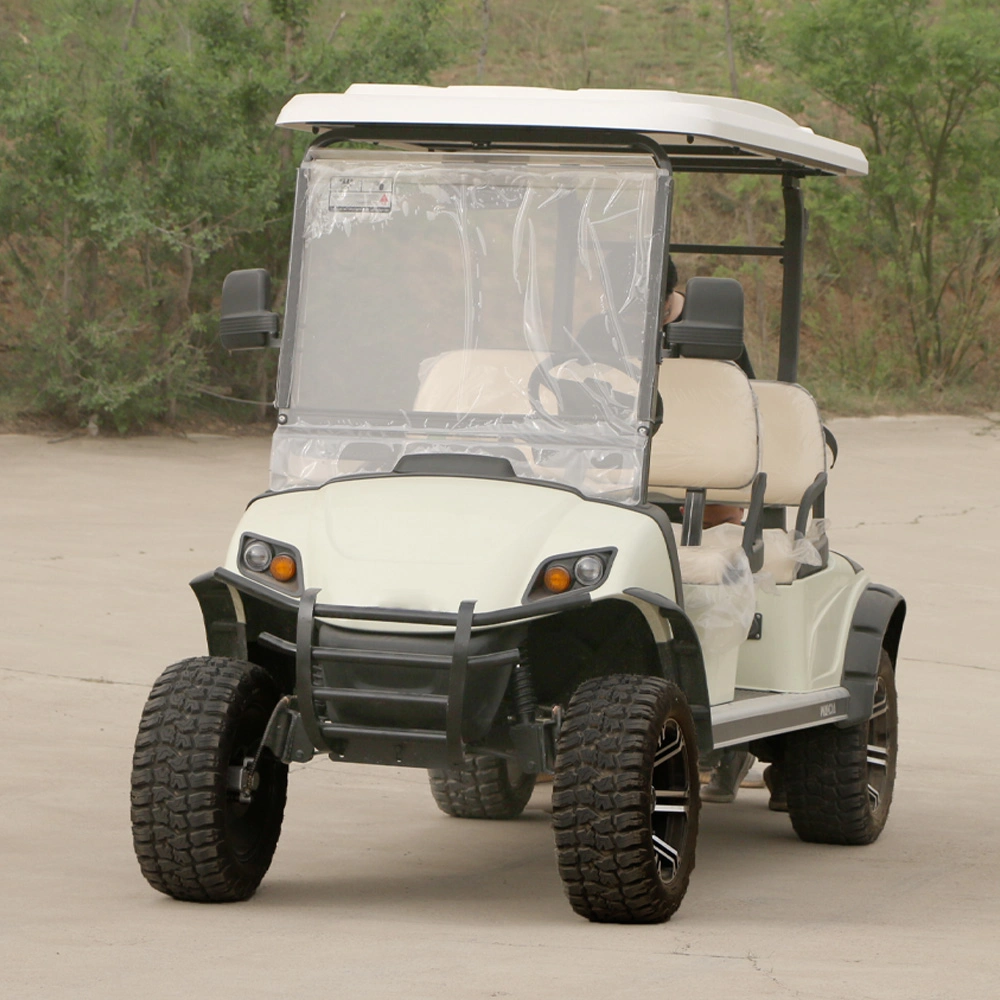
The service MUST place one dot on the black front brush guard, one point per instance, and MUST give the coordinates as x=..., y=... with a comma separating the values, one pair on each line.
x=406, y=699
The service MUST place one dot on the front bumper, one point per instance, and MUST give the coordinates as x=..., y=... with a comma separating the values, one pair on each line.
x=412, y=699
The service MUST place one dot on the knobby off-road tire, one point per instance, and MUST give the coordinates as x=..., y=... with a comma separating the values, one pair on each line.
x=625, y=799
x=486, y=788
x=193, y=837
x=839, y=782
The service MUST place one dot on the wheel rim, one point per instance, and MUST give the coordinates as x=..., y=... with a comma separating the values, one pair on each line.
x=671, y=801
x=878, y=748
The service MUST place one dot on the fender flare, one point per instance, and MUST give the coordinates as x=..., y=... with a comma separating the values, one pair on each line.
x=682, y=661
x=877, y=624
x=225, y=632
x=235, y=613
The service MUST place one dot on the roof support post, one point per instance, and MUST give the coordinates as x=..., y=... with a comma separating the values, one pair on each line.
x=791, y=283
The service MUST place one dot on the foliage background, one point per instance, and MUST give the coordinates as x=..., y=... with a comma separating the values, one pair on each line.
x=139, y=164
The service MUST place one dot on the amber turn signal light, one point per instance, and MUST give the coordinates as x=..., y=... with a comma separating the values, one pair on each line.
x=557, y=579
x=283, y=568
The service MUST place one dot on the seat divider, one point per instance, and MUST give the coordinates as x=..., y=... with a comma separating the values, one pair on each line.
x=694, y=517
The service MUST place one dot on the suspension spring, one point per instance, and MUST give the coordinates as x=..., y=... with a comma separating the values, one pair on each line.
x=525, y=702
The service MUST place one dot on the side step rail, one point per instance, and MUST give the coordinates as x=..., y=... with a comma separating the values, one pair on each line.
x=752, y=716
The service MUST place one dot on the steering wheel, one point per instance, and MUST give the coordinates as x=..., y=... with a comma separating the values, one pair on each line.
x=592, y=396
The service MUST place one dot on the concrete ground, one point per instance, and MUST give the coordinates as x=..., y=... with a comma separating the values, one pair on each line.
x=373, y=892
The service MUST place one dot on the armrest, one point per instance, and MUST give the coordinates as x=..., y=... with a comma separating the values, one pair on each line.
x=813, y=501
x=753, y=528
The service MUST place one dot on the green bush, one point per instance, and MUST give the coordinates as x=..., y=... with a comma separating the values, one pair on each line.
x=112, y=370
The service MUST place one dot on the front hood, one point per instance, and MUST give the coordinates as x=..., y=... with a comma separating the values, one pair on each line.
x=429, y=543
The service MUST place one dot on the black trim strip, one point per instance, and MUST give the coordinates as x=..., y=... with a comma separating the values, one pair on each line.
x=339, y=731
x=724, y=249
x=496, y=138
x=693, y=157
x=378, y=656
x=380, y=695
x=796, y=223
x=503, y=658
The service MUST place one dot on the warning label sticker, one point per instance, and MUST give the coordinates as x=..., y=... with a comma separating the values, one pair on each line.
x=361, y=194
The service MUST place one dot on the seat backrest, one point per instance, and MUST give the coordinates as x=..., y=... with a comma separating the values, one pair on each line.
x=793, y=451
x=710, y=437
x=488, y=381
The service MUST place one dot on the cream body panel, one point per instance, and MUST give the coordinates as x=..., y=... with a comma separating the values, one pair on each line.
x=804, y=631
x=429, y=543
x=721, y=667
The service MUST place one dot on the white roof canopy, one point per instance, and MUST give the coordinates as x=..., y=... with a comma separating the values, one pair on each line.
x=690, y=126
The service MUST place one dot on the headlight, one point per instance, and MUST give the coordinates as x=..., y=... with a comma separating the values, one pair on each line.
x=572, y=571
x=271, y=561
x=588, y=570
x=257, y=556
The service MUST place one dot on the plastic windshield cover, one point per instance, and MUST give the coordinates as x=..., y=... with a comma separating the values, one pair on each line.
x=481, y=304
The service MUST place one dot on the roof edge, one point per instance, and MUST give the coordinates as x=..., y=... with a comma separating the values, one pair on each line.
x=661, y=115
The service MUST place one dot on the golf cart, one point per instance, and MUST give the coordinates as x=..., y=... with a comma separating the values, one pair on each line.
x=484, y=550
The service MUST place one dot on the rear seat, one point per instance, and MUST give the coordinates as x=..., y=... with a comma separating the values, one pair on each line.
x=793, y=457
x=792, y=445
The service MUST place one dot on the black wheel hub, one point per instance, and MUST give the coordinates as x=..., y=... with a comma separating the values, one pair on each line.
x=671, y=800
x=878, y=747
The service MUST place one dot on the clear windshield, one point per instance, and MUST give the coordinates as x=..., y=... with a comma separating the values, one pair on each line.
x=473, y=304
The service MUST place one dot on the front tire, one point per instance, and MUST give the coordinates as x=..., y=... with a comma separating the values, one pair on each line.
x=839, y=782
x=194, y=838
x=625, y=799
x=485, y=788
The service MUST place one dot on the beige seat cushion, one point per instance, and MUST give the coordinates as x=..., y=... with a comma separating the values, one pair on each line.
x=719, y=593
x=492, y=381
x=710, y=562
x=709, y=438
x=496, y=381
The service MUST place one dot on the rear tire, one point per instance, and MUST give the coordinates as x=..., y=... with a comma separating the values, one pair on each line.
x=839, y=782
x=486, y=788
x=194, y=839
x=625, y=799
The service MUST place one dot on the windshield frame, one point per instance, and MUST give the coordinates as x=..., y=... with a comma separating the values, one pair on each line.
x=650, y=343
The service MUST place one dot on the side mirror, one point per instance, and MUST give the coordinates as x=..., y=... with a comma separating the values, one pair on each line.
x=247, y=321
x=712, y=326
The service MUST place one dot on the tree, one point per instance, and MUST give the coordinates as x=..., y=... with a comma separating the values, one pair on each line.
x=923, y=81
x=139, y=163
